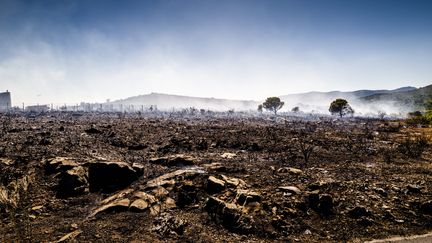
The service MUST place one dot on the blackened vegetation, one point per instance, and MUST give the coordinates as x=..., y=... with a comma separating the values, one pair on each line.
x=105, y=177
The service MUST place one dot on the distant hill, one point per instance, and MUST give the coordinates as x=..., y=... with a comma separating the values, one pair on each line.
x=319, y=101
x=414, y=99
x=167, y=102
x=313, y=97
x=397, y=101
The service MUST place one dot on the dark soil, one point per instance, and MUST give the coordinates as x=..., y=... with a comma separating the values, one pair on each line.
x=359, y=182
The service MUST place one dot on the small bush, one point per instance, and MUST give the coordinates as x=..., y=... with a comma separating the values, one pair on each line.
x=418, y=118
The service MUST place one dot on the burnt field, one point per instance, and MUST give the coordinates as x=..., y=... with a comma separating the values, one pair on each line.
x=115, y=178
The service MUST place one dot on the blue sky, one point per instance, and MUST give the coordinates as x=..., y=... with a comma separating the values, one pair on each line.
x=57, y=51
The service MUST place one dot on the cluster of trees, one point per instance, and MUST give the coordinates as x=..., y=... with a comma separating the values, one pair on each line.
x=338, y=107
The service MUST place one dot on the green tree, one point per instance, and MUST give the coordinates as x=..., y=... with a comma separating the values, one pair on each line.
x=340, y=107
x=295, y=109
x=273, y=104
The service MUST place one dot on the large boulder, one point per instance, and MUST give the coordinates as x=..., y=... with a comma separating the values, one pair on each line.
x=111, y=176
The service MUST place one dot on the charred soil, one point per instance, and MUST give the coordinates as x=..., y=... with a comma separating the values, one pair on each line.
x=116, y=178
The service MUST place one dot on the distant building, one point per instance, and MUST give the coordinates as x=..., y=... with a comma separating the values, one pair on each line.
x=37, y=108
x=5, y=101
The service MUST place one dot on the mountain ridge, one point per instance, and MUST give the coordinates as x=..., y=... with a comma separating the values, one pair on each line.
x=309, y=101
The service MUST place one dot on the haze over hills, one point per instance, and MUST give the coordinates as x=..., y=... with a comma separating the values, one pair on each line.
x=411, y=98
x=168, y=102
x=397, y=101
x=319, y=101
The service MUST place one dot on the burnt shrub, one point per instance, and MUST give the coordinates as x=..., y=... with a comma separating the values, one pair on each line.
x=413, y=147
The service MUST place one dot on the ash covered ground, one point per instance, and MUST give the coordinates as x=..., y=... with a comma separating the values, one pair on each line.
x=115, y=178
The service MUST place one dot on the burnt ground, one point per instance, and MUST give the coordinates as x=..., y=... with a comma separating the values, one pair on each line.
x=234, y=180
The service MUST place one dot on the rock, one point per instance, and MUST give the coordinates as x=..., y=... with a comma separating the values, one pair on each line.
x=290, y=189
x=426, y=207
x=139, y=168
x=72, y=182
x=289, y=170
x=146, y=197
x=359, y=212
x=10, y=195
x=59, y=164
x=160, y=192
x=186, y=173
x=228, y=155
x=155, y=210
x=6, y=161
x=117, y=206
x=179, y=160
x=169, y=203
x=163, y=183
x=245, y=197
x=234, y=182
x=139, y=205
x=251, y=207
x=215, y=185
x=229, y=215
x=36, y=208
x=110, y=176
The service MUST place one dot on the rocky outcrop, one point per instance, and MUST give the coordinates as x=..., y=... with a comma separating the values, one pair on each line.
x=152, y=197
x=75, y=178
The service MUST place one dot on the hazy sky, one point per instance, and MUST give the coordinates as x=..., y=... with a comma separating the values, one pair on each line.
x=91, y=50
